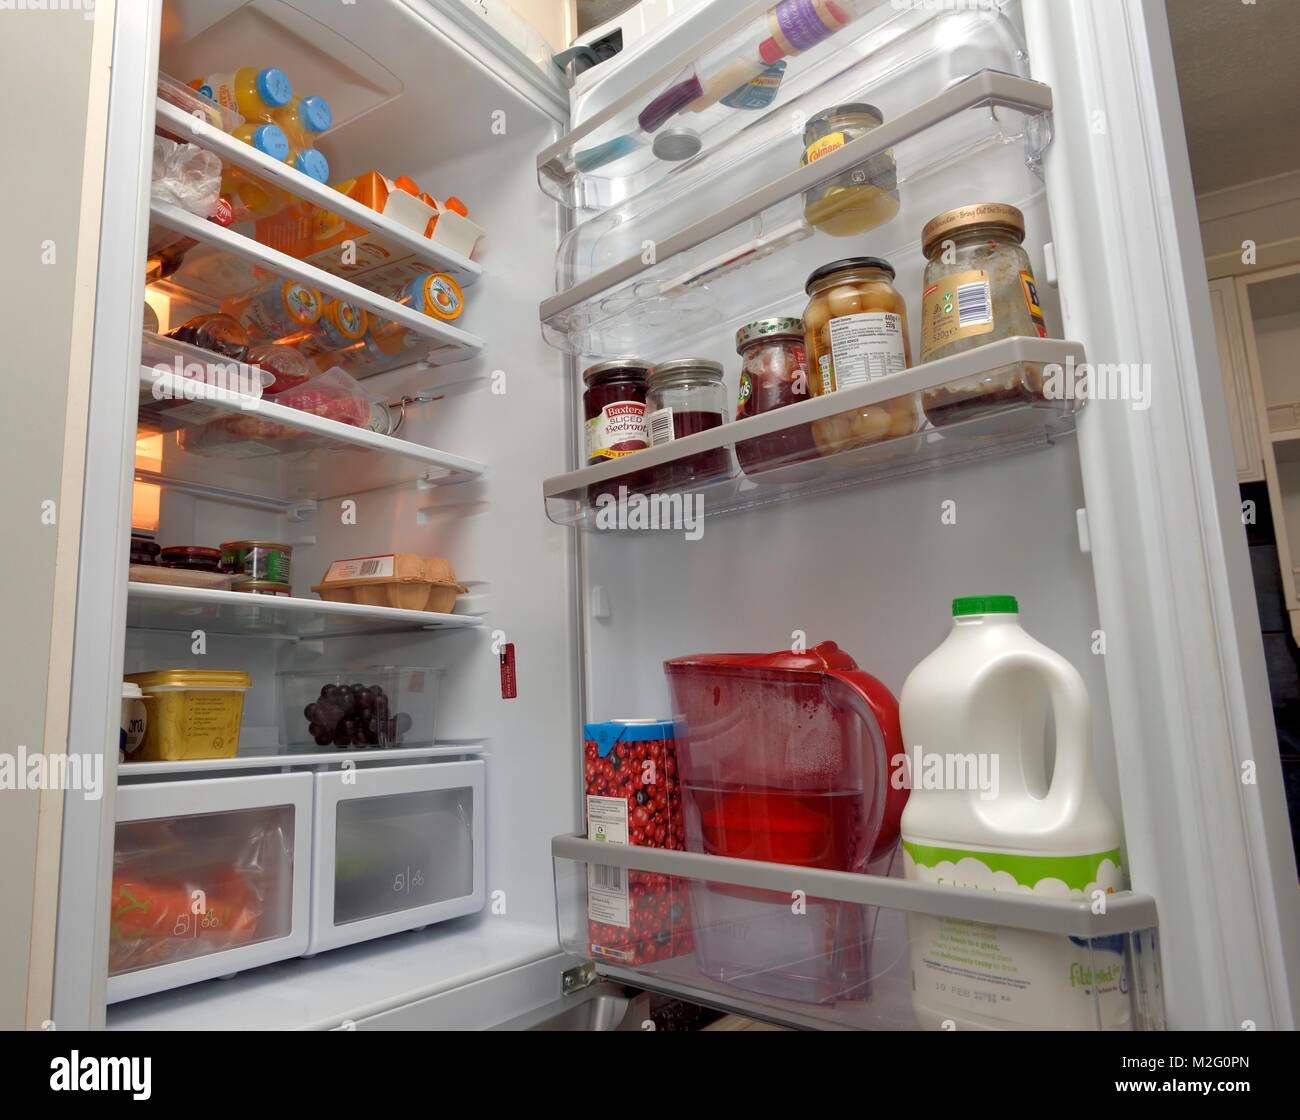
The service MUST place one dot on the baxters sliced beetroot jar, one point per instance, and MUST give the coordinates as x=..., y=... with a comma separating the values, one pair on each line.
x=615, y=414
x=633, y=797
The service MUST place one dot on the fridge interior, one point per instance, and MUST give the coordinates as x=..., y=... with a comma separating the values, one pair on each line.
x=869, y=561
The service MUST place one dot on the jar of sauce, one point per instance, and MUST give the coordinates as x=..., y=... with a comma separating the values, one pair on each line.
x=686, y=396
x=855, y=331
x=192, y=558
x=774, y=373
x=614, y=408
x=864, y=196
x=979, y=288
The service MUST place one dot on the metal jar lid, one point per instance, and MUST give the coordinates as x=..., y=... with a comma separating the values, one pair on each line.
x=604, y=371
x=681, y=369
x=767, y=330
x=1001, y=215
x=852, y=108
x=846, y=264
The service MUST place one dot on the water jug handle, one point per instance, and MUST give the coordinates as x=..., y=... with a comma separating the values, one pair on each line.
x=1070, y=713
x=883, y=707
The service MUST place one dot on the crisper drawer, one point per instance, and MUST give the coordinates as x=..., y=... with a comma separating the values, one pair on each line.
x=395, y=848
x=209, y=878
x=838, y=950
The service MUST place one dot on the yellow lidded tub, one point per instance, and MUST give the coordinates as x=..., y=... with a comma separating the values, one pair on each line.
x=193, y=713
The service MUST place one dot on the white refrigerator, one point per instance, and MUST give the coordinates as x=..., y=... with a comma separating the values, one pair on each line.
x=1116, y=525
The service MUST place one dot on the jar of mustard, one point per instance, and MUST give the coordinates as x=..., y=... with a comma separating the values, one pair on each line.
x=855, y=331
x=864, y=196
x=979, y=288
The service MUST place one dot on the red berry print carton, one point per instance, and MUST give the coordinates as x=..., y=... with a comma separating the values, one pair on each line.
x=633, y=797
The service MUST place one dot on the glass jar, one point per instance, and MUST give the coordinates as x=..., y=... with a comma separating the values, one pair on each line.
x=774, y=373
x=855, y=331
x=686, y=396
x=614, y=409
x=864, y=196
x=979, y=288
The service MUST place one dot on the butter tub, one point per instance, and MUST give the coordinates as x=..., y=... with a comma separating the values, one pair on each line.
x=193, y=713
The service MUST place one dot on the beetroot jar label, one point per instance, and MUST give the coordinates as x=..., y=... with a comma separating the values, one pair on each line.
x=619, y=428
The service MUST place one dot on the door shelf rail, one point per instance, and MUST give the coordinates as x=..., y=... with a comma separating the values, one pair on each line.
x=289, y=758
x=739, y=256
x=444, y=343
x=604, y=497
x=396, y=238
x=863, y=951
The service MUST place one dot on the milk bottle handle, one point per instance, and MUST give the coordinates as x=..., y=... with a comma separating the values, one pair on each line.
x=1071, y=715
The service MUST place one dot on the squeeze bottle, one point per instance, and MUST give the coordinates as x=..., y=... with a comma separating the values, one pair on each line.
x=987, y=812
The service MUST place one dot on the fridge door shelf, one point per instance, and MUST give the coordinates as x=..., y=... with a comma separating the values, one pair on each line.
x=724, y=932
x=153, y=606
x=395, y=849
x=613, y=156
x=230, y=434
x=749, y=256
x=395, y=238
x=226, y=264
x=654, y=488
x=240, y=848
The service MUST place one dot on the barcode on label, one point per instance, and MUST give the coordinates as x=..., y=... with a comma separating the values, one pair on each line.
x=660, y=423
x=973, y=305
x=606, y=878
x=369, y=567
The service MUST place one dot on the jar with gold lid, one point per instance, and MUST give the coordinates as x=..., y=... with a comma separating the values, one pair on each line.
x=979, y=288
x=855, y=331
x=864, y=196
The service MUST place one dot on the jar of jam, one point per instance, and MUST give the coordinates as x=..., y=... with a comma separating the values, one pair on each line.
x=774, y=373
x=192, y=558
x=614, y=410
x=686, y=396
x=864, y=196
x=855, y=331
x=979, y=288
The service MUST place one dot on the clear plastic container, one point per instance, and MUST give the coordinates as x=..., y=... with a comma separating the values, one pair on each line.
x=377, y=706
x=197, y=104
x=785, y=758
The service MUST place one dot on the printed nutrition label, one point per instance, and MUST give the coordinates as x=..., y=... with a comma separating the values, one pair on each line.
x=866, y=346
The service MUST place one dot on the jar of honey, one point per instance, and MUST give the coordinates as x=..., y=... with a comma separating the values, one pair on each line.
x=855, y=331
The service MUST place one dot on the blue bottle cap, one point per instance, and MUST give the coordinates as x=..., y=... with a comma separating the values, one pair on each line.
x=311, y=162
x=315, y=113
x=270, y=139
x=274, y=87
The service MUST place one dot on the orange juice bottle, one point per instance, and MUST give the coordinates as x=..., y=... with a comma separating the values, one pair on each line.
x=254, y=93
x=250, y=196
x=304, y=119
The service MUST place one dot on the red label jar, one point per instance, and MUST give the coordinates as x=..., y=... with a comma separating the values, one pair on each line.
x=774, y=373
x=614, y=409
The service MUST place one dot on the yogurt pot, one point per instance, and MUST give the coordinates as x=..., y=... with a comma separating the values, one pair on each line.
x=135, y=720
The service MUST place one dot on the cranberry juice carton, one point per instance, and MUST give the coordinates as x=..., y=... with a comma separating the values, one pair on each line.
x=633, y=796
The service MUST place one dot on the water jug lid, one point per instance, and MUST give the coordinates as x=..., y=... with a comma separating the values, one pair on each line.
x=985, y=604
x=819, y=659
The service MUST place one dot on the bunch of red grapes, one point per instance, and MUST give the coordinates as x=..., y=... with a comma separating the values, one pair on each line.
x=354, y=715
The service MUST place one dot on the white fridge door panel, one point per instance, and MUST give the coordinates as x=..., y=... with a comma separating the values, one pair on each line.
x=1204, y=811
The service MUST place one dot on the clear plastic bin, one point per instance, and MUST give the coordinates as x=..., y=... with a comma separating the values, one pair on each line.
x=377, y=706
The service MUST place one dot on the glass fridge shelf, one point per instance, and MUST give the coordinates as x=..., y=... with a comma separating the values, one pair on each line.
x=223, y=265
x=624, y=284
x=267, y=450
x=865, y=952
x=396, y=239
x=818, y=445
x=748, y=88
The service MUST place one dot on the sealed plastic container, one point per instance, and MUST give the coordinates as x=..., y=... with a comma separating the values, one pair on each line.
x=376, y=706
x=192, y=713
x=402, y=579
x=198, y=104
x=786, y=758
x=282, y=308
x=135, y=720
